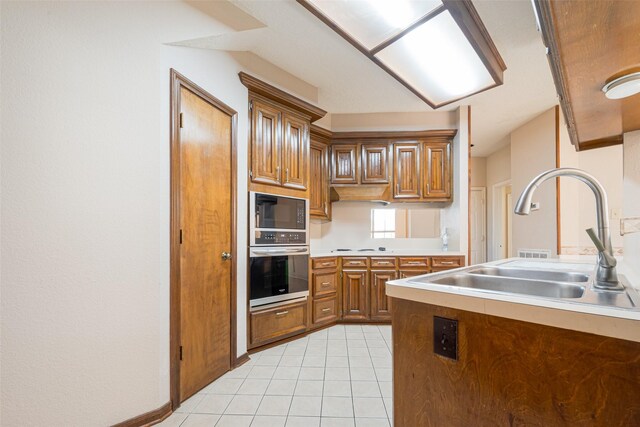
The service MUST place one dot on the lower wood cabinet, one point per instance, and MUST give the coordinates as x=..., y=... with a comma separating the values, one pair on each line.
x=276, y=323
x=325, y=310
x=380, y=303
x=355, y=291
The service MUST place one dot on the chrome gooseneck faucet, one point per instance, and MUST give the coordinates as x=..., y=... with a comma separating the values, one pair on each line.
x=606, y=276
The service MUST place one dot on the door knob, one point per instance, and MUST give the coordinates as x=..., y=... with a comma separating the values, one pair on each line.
x=226, y=256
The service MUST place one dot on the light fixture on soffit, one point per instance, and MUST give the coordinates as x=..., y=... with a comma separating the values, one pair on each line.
x=438, y=49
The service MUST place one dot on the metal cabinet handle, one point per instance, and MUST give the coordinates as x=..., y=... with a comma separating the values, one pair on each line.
x=286, y=175
x=325, y=309
x=226, y=256
x=277, y=172
x=415, y=262
x=325, y=283
x=281, y=313
x=327, y=263
x=383, y=263
x=446, y=262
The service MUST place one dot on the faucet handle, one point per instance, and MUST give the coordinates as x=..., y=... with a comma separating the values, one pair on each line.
x=609, y=258
x=596, y=241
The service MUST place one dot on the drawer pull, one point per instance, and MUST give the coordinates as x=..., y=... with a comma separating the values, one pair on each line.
x=383, y=263
x=325, y=309
x=327, y=263
x=325, y=283
x=282, y=313
x=447, y=262
x=415, y=262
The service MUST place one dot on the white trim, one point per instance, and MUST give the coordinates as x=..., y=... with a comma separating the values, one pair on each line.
x=482, y=190
x=496, y=229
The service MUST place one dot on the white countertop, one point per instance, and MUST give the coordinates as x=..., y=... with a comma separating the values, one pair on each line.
x=389, y=252
x=601, y=320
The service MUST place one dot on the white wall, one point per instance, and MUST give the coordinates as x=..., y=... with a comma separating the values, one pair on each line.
x=632, y=199
x=498, y=171
x=478, y=171
x=85, y=203
x=577, y=203
x=350, y=227
x=533, y=148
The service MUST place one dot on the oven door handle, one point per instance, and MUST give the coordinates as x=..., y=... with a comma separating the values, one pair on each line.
x=280, y=251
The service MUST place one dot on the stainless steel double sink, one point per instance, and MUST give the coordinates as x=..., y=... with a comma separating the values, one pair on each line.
x=568, y=286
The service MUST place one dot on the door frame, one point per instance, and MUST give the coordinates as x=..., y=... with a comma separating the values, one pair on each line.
x=177, y=82
x=497, y=216
x=483, y=191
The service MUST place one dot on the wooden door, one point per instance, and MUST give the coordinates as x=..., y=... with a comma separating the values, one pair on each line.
x=375, y=163
x=380, y=302
x=344, y=164
x=295, y=152
x=319, y=181
x=437, y=171
x=265, y=143
x=354, y=294
x=407, y=171
x=205, y=206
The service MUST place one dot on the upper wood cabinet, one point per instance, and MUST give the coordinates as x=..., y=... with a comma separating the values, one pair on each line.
x=319, y=203
x=344, y=164
x=375, y=163
x=437, y=177
x=423, y=171
x=295, y=152
x=279, y=137
x=265, y=143
x=406, y=183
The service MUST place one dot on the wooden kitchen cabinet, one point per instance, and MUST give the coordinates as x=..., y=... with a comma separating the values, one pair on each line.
x=324, y=291
x=437, y=178
x=355, y=295
x=406, y=183
x=344, y=164
x=279, y=138
x=277, y=323
x=295, y=151
x=375, y=163
x=265, y=143
x=380, y=303
x=319, y=202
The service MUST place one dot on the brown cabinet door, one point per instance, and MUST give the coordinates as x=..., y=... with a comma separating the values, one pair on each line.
x=295, y=149
x=265, y=143
x=319, y=181
x=375, y=163
x=380, y=302
x=406, y=183
x=344, y=164
x=437, y=170
x=354, y=295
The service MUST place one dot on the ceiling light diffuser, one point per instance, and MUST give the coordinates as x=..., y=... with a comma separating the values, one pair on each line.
x=623, y=86
x=438, y=49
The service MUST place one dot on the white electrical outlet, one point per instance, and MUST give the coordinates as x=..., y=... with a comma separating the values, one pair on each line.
x=535, y=206
x=629, y=225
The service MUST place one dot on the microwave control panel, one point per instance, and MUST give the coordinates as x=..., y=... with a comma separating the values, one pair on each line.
x=281, y=238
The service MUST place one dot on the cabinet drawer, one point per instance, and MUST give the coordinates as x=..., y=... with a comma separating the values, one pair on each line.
x=354, y=262
x=447, y=262
x=325, y=283
x=317, y=263
x=383, y=262
x=325, y=310
x=275, y=323
x=410, y=273
x=414, y=262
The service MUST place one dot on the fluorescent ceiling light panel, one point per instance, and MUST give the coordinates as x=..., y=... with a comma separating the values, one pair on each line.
x=437, y=59
x=438, y=49
x=371, y=22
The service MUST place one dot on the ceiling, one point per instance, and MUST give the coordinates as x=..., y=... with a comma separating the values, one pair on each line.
x=348, y=82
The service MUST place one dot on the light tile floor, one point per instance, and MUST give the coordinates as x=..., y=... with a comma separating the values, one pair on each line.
x=337, y=377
